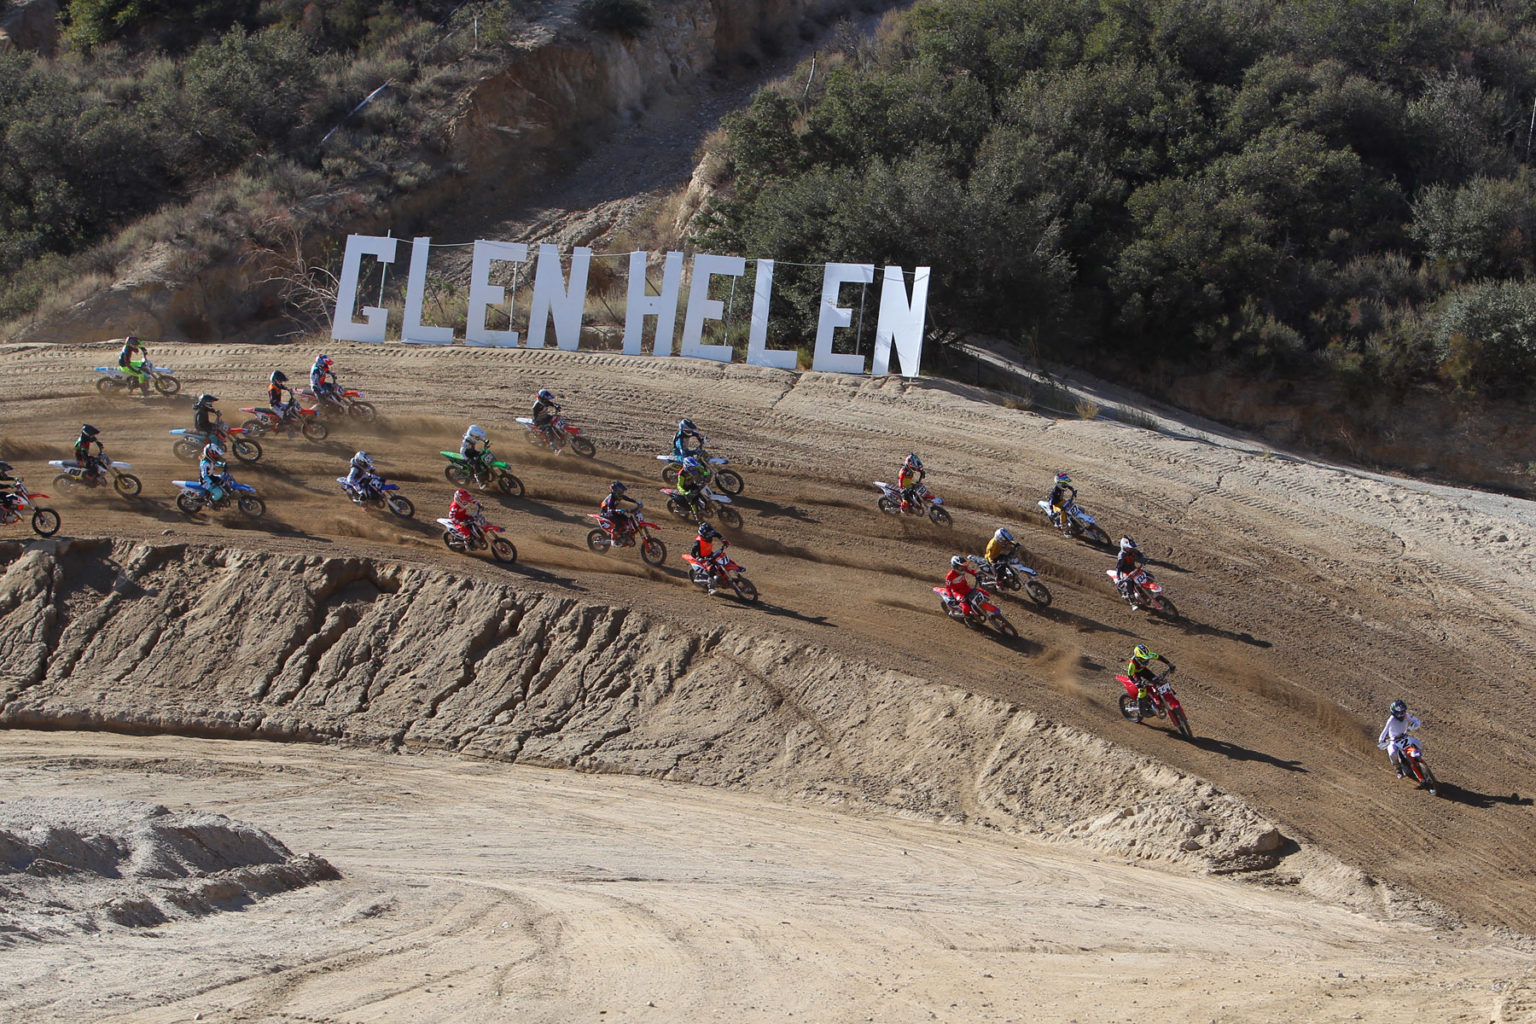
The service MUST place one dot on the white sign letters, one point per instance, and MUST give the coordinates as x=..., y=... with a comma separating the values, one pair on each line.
x=559, y=299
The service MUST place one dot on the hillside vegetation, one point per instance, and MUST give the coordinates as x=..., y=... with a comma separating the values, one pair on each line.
x=1303, y=187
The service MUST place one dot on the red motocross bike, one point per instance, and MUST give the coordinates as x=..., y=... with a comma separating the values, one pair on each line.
x=977, y=610
x=1412, y=757
x=723, y=574
x=1161, y=701
x=606, y=536
x=1142, y=591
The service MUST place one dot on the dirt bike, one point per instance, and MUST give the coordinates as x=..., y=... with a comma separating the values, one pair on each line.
x=347, y=402
x=704, y=504
x=461, y=473
x=977, y=610
x=1075, y=521
x=377, y=494
x=1161, y=701
x=125, y=484
x=189, y=444
x=1012, y=574
x=195, y=497
x=266, y=421
x=721, y=573
x=481, y=535
x=45, y=521
x=560, y=433
x=1141, y=590
x=1411, y=756
x=115, y=379
x=728, y=480
x=606, y=536
x=924, y=503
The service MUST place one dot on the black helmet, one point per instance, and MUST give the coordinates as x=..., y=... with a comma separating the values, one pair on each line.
x=206, y=399
x=5, y=467
x=131, y=340
x=617, y=487
x=279, y=377
x=707, y=532
x=1399, y=709
x=89, y=431
x=686, y=424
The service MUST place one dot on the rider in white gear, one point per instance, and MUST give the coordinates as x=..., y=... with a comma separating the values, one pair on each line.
x=1399, y=724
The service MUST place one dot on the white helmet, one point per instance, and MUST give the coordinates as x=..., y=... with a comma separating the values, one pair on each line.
x=1003, y=535
x=1126, y=544
x=475, y=432
x=958, y=562
x=363, y=458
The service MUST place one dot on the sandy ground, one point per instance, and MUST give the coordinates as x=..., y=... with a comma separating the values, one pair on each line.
x=484, y=892
x=1311, y=596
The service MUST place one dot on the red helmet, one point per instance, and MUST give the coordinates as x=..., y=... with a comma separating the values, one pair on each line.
x=463, y=497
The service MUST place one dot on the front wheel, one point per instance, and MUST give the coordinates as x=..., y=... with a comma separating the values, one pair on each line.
x=1097, y=535
x=598, y=541
x=1002, y=625
x=363, y=412
x=185, y=450
x=939, y=515
x=456, y=474
x=509, y=484
x=246, y=451
x=167, y=385
x=127, y=485
x=746, y=590
x=253, y=428
x=653, y=551
x=729, y=516
x=314, y=429
x=889, y=505
x=1182, y=721
x=1129, y=708
x=729, y=481
x=400, y=505
x=1038, y=592
x=1429, y=778
x=188, y=503
x=251, y=505
x=1164, y=606
x=45, y=521
x=586, y=449
x=503, y=551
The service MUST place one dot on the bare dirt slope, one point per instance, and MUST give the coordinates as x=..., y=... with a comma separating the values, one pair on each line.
x=1312, y=596
x=483, y=893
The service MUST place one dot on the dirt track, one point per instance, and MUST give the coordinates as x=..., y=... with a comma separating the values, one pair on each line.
x=1312, y=596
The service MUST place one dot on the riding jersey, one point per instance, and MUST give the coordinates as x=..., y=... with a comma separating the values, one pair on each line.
x=1001, y=550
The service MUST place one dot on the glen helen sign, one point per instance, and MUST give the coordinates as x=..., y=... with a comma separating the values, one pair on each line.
x=559, y=301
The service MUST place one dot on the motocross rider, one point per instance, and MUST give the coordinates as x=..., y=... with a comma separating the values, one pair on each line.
x=206, y=419
x=1139, y=673
x=686, y=433
x=277, y=387
x=84, y=457
x=957, y=583
x=131, y=360
x=1125, y=566
x=465, y=513
x=908, y=479
x=322, y=380
x=623, y=519
x=1002, y=548
x=1399, y=724
x=692, y=477
x=360, y=475
x=1059, y=498
x=213, y=471
x=476, y=449
x=7, y=487
x=544, y=412
x=709, y=548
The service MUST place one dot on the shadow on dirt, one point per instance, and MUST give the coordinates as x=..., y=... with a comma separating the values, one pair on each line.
x=1482, y=801
x=1081, y=623
x=1200, y=629
x=773, y=510
x=788, y=613
x=1238, y=753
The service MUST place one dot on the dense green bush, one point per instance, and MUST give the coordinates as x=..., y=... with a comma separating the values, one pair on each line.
x=1333, y=183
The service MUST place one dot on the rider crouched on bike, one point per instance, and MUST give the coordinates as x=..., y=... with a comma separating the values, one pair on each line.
x=131, y=361
x=277, y=386
x=476, y=449
x=1061, y=493
x=709, y=548
x=1129, y=560
x=909, y=479
x=205, y=418
x=1139, y=671
x=1399, y=724
x=465, y=513
x=692, y=477
x=688, y=440
x=623, y=519
x=213, y=471
x=84, y=457
x=957, y=583
x=7, y=487
x=322, y=380
x=1002, y=548
x=360, y=475
x=545, y=409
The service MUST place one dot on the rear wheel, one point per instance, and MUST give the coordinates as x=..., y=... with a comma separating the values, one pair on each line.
x=1164, y=606
x=1097, y=535
x=939, y=515
x=1038, y=592
x=502, y=550
x=745, y=589
x=251, y=505
x=363, y=412
x=890, y=505
x=246, y=451
x=400, y=505
x=669, y=474
x=509, y=484
x=678, y=507
x=167, y=385
x=1182, y=721
x=598, y=541
x=729, y=481
x=583, y=447
x=653, y=551
x=314, y=429
x=106, y=385
x=1008, y=576
x=453, y=539
x=729, y=516
x=1129, y=709
x=65, y=482
x=456, y=474
x=188, y=503
x=186, y=450
x=45, y=521
x=127, y=485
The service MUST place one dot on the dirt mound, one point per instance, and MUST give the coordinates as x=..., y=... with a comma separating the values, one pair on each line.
x=70, y=866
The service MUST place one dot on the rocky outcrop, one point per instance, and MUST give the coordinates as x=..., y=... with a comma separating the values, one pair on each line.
x=195, y=641
x=31, y=25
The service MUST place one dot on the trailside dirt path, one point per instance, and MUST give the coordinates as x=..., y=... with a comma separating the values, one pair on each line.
x=1311, y=596
x=486, y=892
